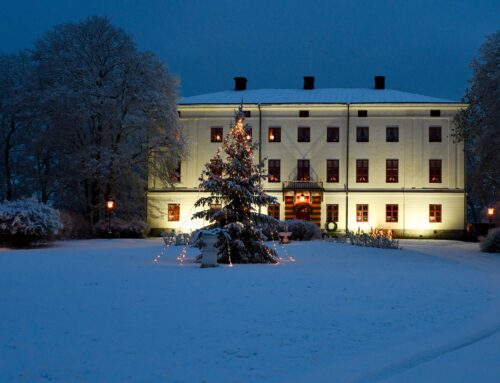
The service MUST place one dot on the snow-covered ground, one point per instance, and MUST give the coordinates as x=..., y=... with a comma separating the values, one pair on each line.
x=103, y=311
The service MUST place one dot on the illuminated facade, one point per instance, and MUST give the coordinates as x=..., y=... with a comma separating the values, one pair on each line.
x=362, y=158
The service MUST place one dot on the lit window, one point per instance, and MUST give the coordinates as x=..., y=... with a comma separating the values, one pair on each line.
x=216, y=135
x=434, y=134
x=274, y=210
x=391, y=213
x=303, y=170
x=392, y=134
x=274, y=135
x=274, y=170
x=332, y=134
x=362, y=171
x=361, y=213
x=304, y=134
x=362, y=134
x=434, y=213
x=435, y=171
x=332, y=170
x=391, y=171
x=174, y=211
x=332, y=213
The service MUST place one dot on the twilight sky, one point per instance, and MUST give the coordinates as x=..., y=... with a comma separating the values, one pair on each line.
x=421, y=46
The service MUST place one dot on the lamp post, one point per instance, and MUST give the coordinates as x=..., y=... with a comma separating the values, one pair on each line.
x=110, y=205
x=491, y=213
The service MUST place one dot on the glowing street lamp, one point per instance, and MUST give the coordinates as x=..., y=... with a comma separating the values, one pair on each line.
x=110, y=205
x=491, y=213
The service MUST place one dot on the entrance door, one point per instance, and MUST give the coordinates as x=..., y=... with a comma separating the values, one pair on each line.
x=304, y=212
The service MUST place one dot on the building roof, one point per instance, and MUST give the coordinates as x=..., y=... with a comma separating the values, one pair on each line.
x=312, y=96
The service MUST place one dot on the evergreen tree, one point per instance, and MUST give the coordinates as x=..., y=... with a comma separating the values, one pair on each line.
x=235, y=183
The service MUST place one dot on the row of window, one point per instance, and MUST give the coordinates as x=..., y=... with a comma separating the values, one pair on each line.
x=391, y=212
x=362, y=170
x=332, y=212
x=332, y=134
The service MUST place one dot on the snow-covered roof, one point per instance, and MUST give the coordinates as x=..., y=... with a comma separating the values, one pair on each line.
x=312, y=96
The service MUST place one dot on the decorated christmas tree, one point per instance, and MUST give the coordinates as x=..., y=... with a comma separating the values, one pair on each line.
x=234, y=183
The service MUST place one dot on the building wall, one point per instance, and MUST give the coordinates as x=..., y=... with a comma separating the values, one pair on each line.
x=413, y=192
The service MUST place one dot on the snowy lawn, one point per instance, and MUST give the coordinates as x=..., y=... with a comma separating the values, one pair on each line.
x=103, y=311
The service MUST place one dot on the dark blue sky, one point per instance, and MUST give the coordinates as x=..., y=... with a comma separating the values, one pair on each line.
x=421, y=46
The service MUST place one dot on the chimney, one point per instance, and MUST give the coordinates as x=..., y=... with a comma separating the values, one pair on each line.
x=308, y=82
x=379, y=82
x=240, y=83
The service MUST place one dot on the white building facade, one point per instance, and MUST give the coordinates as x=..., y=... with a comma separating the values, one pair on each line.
x=359, y=158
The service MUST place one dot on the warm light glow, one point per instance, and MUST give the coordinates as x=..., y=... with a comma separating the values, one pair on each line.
x=271, y=137
x=302, y=197
x=491, y=211
x=110, y=204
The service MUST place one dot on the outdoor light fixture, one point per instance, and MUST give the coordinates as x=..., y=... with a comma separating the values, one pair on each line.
x=302, y=197
x=491, y=213
x=110, y=205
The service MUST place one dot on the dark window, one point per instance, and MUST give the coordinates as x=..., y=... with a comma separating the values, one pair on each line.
x=303, y=113
x=361, y=170
x=174, y=211
x=274, y=210
x=435, y=113
x=304, y=134
x=249, y=134
x=361, y=213
x=216, y=167
x=362, y=113
x=303, y=170
x=332, y=213
x=434, y=171
x=434, y=213
x=362, y=134
x=274, y=135
x=434, y=134
x=332, y=134
x=176, y=175
x=247, y=113
x=179, y=113
x=391, y=170
x=332, y=170
x=391, y=213
x=274, y=170
x=216, y=134
x=392, y=134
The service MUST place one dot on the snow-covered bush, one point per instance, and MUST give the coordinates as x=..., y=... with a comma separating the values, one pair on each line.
x=28, y=222
x=75, y=226
x=301, y=230
x=491, y=244
x=122, y=229
x=378, y=238
x=270, y=228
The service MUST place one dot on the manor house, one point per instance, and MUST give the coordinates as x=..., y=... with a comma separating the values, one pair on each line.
x=355, y=159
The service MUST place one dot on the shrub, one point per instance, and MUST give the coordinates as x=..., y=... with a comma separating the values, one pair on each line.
x=28, y=222
x=301, y=230
x=75, y=226
x=122, y=229
x=491, y=244
x=377, y=238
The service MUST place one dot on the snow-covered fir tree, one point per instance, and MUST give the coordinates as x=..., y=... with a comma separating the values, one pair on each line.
x=234, y=184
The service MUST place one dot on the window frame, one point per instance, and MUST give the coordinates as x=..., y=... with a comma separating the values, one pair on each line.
x=360, y=170
x=362, y=212
x=334, y=136
x=173, y=212
x=304, y=134
x=360, y=137
x=332, y=171
x=388, y=136
x=392, y=171
x=332, y=212
x=216, y=131
x=275, y=132
x=435, y=172
x=435, y=213
x=435, y=133
x=308, y=167
x=391, y=213
x=274, y=163
x=273, y=210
